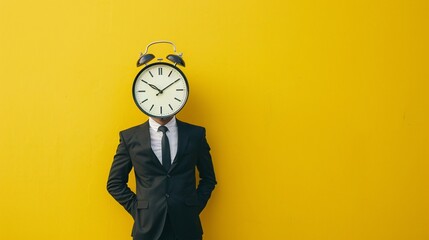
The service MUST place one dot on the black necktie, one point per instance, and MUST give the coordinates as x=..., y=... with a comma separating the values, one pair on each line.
x=165, y=146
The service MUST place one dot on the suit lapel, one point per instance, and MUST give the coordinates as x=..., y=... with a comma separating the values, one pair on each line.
x=182, y=142
x=146, y=144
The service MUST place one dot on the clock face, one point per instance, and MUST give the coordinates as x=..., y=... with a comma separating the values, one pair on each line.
x=160, y=90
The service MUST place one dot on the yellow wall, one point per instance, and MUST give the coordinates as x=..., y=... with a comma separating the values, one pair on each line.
x=317, y=113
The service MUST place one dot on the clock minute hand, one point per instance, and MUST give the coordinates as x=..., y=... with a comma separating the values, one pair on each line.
x=153, y=86
x=167, y=86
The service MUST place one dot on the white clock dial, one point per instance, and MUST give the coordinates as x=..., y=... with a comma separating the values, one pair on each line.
x=160, y=90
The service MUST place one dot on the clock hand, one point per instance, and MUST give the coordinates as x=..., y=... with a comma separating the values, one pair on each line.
x=167, y=87
x=152, y=86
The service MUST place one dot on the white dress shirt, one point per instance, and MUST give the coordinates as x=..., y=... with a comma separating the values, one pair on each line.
x=155, y=137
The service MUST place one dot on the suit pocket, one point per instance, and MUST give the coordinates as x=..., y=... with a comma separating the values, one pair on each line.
x=142, y=208
x=142, y=204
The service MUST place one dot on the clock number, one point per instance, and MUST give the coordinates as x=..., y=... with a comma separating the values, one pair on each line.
x=170, y=107
x=159, y=71
x=151, y=107
x=160, y=110
x=144, y=101
x=179, y=89
x=142, y=90
x=150, y=74
x=178, y=99
x=170, y=73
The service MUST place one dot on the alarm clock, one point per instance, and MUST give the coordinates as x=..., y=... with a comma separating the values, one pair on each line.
x=160, y=89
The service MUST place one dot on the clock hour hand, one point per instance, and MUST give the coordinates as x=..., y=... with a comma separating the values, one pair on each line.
x=153, y=86
x=167, y=86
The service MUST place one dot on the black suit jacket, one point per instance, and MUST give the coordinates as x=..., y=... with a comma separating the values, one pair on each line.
x=159, y=191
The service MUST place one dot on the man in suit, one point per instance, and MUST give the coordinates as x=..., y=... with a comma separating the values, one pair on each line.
x=164, y=153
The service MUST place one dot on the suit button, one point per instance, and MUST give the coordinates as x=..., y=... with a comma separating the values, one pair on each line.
x=167, y=195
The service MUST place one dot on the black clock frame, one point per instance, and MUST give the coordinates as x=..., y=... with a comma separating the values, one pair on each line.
x=150, y=65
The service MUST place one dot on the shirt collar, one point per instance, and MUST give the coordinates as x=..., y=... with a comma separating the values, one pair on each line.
x=154, y=125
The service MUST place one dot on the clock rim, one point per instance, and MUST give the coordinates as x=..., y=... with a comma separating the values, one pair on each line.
x=170, y=65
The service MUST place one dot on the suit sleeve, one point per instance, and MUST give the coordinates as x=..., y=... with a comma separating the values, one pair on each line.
x=117, y=183
x=206, y=172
